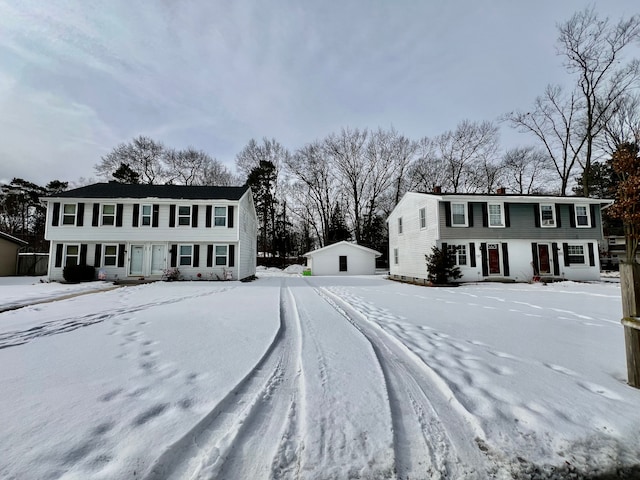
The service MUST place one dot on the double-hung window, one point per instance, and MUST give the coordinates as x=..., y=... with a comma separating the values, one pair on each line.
x=576, y=254
x=220, y=216
x=72, y=255
x=459, y=214
x=399, y=225
x=423, y=217
x=395, y=256
x=582, y=216
x=110, y=255
x=108, y=215
x=547, y=216
x=69, y=214
x=221, y=255
x=145, y=215
x=496, y=217
x=184, y=216
x=459, y=254
x=185, y=255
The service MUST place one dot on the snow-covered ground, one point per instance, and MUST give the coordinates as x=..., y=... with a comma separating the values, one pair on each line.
x=318, y=378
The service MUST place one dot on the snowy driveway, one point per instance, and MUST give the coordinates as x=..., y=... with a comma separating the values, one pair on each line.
x=318, y=378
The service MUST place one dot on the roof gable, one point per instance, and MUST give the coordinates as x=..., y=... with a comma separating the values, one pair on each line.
x=127, y=190
x=344, y=242
x=13, y=239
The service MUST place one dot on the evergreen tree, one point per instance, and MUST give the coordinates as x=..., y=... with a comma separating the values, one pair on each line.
x=262, y=180
x=125, y=174
x=441, y=266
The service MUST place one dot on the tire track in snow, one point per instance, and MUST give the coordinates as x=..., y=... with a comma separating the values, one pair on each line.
x=437, y=437
x=236, y=438
x=63, y=325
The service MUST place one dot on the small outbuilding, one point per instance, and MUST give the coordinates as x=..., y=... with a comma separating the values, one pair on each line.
x=9, y=246
x=342, y=258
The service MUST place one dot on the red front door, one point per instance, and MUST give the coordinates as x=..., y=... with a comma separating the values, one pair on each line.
x=543, y=259
x=494, y=259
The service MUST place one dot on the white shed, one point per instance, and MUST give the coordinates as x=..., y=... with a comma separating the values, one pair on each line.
x=342, y=258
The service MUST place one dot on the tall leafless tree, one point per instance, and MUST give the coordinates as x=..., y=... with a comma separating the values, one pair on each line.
x=623, y=127
x=593, y=51
x=527, y=170
x=143, y=155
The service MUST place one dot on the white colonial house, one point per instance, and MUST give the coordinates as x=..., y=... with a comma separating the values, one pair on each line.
x=342, y=258
x=501, y=236
x=135, y=231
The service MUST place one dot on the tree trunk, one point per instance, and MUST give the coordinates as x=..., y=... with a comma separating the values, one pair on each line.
x=630, y=289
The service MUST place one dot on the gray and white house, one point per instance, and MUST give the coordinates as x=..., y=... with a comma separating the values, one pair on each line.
x=134, y=231
x=497, y=236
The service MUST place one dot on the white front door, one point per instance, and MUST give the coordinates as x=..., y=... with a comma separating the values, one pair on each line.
x=158, y=259
x=136, y=263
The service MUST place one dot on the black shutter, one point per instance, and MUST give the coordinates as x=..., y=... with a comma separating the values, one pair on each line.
x=507, y=215
x=196, y=255
x=119, y=210
x=209, y=255
x=534, y=256
x=558, y=221
x=470, y=213
x=447, y=213
x=95, y=219
x=472, y=254
x=592, y=257
x=444, y=247
x=232, y=255
x=59, y=248
x=172, y=216
x=485, y=264
x=97, y=254
x=572, y=216
x=121, y=249
x=556, y=265
x=230, y=216
x=80, y=215
x=83, y=254
x=565, y=251
x=55, y=217
x=136, y=214
x=536, y=214
x=156, y=214
x=505, y=258
x=593, y=217
x=208, y=214
x=485, y=215
x=174, y=255
x=194, y=216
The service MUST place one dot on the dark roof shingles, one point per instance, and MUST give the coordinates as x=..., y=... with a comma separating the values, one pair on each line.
x=125, y=190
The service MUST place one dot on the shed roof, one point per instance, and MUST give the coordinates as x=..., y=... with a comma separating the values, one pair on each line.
x=13, y=239
x=128, y=190
x=344, y=242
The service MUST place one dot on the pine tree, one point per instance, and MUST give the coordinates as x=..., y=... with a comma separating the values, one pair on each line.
x=441, y=266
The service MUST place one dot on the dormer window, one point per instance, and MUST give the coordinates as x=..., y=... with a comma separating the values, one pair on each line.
x=547, y=216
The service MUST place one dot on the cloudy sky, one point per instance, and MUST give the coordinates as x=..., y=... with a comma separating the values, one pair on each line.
x=79, y=77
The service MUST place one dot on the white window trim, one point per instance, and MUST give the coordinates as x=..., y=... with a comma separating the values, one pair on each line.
x=104, y=255
x=142, y=215
x=588, y=214
x=553, y=215
x=585, y=250
x=179, y=262
x=399, y=225
x=466, y=214
x=75, y=215
x=184, y=216
x=457, y=254
x=215, y=255
x=102, y=215
x=422, y=218
x=66, y=253
x=224, y=217
x=502, y=216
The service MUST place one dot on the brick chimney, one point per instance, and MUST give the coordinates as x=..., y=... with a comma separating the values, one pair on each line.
x=501, y=191
x=437, y=189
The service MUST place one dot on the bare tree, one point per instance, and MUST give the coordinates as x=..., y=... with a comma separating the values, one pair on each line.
x=526, y=170
x=195, y=167
x=592, y=48
x=623, y=127
x=459, y=149
x=428, y=169
x=486, y=175
x=216, y=173
x=142, y=155
x=554, y=122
